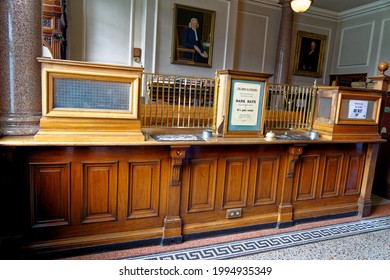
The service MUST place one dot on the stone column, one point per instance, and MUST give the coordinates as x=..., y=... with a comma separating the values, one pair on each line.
x=20, y=86
x=282, y=64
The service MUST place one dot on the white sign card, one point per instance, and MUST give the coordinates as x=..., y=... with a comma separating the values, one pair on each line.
x=245, y=104
x=357, y=109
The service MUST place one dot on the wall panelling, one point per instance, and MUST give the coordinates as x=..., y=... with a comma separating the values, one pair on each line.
x=251, y=56
x=384, y=41
x=355, y=45
x=144, y=182
x=100, y=199
x=99, y=195
x=50, y=194
x=331, y=181
x=236, y=182
x=202, y=185
x=266, y=180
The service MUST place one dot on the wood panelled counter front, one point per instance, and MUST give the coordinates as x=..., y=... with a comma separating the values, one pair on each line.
x=79, y=196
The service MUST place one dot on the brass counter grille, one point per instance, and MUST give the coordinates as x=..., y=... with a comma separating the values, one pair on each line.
x=177, y=101
x=290, y=107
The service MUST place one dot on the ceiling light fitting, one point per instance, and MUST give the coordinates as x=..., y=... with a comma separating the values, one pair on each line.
x=300, y=6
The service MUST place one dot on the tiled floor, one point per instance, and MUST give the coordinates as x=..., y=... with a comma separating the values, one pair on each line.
x=367, y=246
x=345, y=238
x=325, y=237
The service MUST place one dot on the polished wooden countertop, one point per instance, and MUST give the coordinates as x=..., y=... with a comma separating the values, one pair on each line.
x=214, y=140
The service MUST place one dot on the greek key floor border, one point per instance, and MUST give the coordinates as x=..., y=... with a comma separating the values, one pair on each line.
x=272, y=242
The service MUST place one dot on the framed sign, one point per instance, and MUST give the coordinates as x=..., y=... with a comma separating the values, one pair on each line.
x=192, y=36
x=245, y=107
x=357, y=109
x=309, y=54
x=241, y=103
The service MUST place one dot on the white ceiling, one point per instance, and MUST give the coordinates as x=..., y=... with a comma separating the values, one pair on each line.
x=342, y=5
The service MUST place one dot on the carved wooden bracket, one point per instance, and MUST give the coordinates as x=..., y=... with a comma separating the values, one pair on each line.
x=177, y=155
x=293, y=155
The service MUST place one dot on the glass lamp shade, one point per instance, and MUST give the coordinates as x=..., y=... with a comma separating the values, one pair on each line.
x=300, y=6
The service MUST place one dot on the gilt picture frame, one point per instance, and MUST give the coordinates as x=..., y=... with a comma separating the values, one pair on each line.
x=309, y=54
x=183, y=38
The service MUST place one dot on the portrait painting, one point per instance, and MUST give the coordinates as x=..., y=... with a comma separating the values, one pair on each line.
x=192, y=36
x=309, y=54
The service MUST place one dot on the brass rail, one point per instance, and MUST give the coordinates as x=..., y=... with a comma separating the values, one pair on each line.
x=290, y=107
x=177, y=101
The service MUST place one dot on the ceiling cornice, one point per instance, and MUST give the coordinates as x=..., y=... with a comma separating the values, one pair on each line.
x=265, y=3
x=322, y=13
x=331, y=15
x=372, y=7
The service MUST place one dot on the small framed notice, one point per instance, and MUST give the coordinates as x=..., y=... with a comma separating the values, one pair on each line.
x=354, y=108
x=246, y=99
x=357, y=109
x=241, y=103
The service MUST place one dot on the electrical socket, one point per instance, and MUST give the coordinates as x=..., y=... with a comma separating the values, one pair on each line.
x=233, y=213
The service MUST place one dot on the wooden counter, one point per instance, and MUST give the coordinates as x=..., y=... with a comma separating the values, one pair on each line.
x=67, y=195
x=20, y=141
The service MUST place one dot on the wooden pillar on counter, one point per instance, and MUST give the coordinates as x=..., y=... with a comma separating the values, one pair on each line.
x=381, y=81
x=364, y=202
x=172, y=222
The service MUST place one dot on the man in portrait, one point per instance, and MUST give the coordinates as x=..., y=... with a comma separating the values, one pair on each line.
x=309, y=55
x=191, y=40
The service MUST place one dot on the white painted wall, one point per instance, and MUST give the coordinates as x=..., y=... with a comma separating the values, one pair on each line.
x=257, y=36
x=245, y=37
x=103, y=34
x=223, y=23
x=362, y=41
x=107, y=30
x=99, y=30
